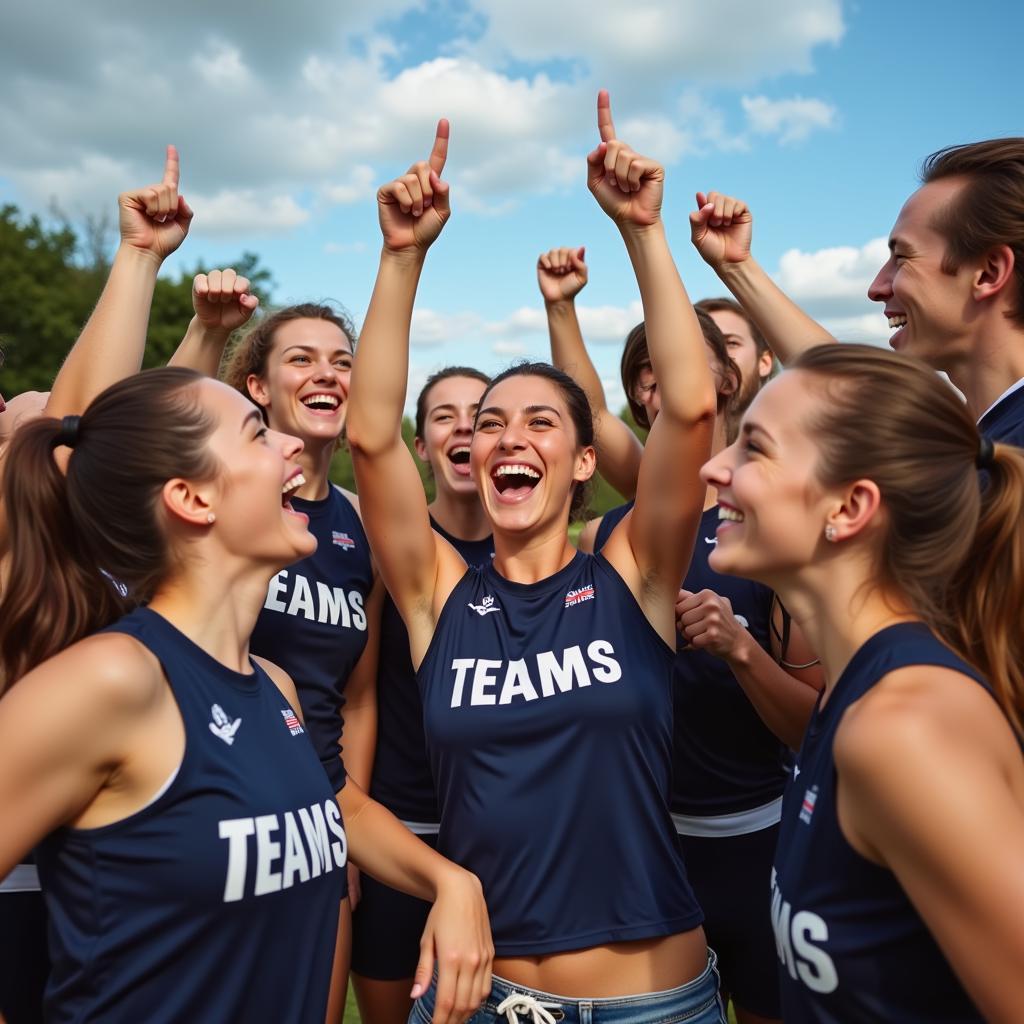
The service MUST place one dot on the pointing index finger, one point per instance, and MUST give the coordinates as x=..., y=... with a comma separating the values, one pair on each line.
x=172, y=167
x=439, y=154
x=605, y=125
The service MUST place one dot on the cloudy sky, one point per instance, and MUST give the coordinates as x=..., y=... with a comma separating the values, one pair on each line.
x=817, y=112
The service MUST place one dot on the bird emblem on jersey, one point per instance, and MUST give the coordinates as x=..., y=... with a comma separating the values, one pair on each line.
x=222, y=726
x=485, y=606
x=711, y=540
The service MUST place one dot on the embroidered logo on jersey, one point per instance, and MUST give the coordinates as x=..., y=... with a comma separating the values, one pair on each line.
x=485, y=606
x=807, y=808
x=294, y=725
x=343, y=540
x=796, y=771
x=579, y=595
x=711, y=540
x=222, y=726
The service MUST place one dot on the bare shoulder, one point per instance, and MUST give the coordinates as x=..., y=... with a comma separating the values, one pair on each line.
x=351, y=497
x=588, y=535
x=924, y=716
x=282, y=681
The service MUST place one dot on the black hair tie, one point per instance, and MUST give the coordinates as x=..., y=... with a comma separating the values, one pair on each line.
x=69, y=432
x=986, y=456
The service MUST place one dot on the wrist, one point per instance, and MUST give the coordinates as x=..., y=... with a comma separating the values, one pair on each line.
x=641, y=234
x=128, y=254
x=730, y=271
x=410, y=258
x=208, y=332
x=742, y=651
x=560, y=306
x=451, y=878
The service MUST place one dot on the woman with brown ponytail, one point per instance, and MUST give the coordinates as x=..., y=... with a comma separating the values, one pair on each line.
x=861, y=492
x=189, y=843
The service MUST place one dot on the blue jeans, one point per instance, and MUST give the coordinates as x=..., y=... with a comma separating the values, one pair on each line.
x=696, y=1002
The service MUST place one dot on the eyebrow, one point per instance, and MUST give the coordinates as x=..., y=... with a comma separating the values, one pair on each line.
x=309, y=349
x=530, y=410
x=750, y=428
x=254, y=415
x=449, y=407
x=895, y=240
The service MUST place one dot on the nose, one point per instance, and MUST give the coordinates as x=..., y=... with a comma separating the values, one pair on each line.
x=511, y=439
x=325, y=369
x=464, y=422
x=291, y=447
x=881, y=288
x=717, y=471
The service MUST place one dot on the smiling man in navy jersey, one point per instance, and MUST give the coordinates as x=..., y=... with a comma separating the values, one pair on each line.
x=952, y=287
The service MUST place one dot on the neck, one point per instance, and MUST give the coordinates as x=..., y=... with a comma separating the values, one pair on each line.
x=535, y=558
x=217, y=610
x=992, y=363
x=838, y=607
x=461, y=515
x=315, y=460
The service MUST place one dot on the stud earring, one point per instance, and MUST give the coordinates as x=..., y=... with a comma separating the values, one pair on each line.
x=210, y=517
x=830, y=533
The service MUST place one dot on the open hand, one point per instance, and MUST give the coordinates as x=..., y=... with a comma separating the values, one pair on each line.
x=414, y=208
x=457, y=937
x=721, y=228
x=155, y=219
x=561, y=274
x=222, y=300
x=627, y=186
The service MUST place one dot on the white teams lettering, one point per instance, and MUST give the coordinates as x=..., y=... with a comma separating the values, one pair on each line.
x=304, y=851
x=501, y=682
x=795, y=938
x=324, y=604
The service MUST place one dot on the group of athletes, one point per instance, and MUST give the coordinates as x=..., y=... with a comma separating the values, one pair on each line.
x=757, y=738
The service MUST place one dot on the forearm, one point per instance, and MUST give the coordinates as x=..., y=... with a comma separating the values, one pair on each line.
x=112, y=342
x=786, y=327
x=201, y=349
x=383, y=847
x=675, y=342
x=381, y=368
x=784, y=704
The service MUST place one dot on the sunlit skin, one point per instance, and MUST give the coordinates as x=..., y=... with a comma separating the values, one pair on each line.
x=912, y=283
x=309, y=357
x=448, y=428
x=645, y=387
x=525, y=421
x=754, y=369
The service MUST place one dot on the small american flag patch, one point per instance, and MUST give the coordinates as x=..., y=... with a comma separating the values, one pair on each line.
x=807, y=807
x=294, y=725
x=579, y=595
x=343, y=540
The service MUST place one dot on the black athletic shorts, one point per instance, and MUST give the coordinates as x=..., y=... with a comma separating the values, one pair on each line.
x=24, y=963
x=731, y=878
x=386, y=929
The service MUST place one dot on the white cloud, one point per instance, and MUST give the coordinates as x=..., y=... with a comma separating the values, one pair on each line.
x=510, y=349
x=830, y=279
x=791, y=120
x=222, y=67
x=361, y=184
x=247, y=212
x=340, y=248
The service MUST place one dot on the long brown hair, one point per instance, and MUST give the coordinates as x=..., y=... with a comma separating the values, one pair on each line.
x=955, y=543
x=88, y=546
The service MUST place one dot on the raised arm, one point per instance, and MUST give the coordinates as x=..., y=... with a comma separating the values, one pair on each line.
x=414, y=563
x=222, y=303
x=720, y=229
x=153, y=223
x=653, y=545
x=562, y=275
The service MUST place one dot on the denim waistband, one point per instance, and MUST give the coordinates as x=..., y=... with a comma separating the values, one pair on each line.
x=696, y=1000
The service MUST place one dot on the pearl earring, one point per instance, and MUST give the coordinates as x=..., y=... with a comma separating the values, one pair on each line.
x=210, y=517
x=830, y=533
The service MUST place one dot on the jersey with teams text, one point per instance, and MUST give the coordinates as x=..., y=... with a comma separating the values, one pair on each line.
x=852, y=946
x=313, y=622
x=1004, y=424
x=548, y=717
x=219, y=900
x=402, y=780
x=725, y=759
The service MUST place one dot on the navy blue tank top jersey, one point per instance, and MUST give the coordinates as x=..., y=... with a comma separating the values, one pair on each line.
x=402, y=780
x=548, y=716
x=219, y=900
x=851, y=944
x=726, y=760
x=1004, y=423
x=313, y=622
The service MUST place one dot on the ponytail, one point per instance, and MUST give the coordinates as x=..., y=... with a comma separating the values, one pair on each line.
x=88, y=546
x=986, y=596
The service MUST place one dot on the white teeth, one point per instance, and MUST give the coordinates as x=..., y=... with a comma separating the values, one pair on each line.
x=331, y=400
x=290, y=485
x=462, y=450
x=517, y=470
x=898, y=321
x=730, y=514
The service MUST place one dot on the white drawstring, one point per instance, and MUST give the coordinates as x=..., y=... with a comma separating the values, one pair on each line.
x=520, y=1002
